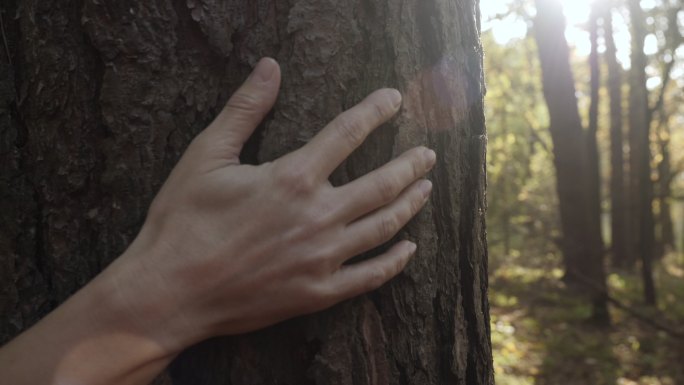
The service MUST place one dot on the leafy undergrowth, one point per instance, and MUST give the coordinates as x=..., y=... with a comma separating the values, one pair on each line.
x=540, y=332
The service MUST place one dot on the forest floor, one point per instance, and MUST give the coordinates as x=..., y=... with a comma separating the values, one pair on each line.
x=541, y=336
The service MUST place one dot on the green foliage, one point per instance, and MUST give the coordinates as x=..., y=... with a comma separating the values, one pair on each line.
x=540, y=331
x=540, y=334
x=522, y=198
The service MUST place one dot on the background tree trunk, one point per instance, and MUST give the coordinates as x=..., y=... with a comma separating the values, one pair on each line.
x=666, y=239
x=98, y=100
x=641, y=187
x=618, y=219
x=593, y=159
x=581, y=245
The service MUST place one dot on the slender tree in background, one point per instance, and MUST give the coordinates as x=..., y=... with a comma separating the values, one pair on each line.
x=666, y=238
x=505, y=189
x=593, y=161
x=641, y=187
x=618, y=217
x=659, y=117
x=581, y=245
x=109, y=93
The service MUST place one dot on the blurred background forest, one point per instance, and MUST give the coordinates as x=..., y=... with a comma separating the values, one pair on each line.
x=586, y=190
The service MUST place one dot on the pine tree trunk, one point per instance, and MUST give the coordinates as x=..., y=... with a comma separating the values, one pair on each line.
x=665, y=241
x=102, y=97
x=581, y=245
x=618, y=217
x=665, y=177
x=593, y=159
x=641, y=186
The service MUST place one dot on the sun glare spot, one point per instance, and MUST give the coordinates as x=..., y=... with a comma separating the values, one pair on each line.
x=507, y=27
x=648, y=4
x=504, y=28
x=653, y=82
x=651, y=45
x=577, y=11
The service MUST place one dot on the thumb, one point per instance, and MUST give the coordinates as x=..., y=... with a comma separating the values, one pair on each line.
x=246, y=108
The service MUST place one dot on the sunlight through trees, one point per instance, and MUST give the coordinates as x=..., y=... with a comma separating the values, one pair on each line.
x=629, y=100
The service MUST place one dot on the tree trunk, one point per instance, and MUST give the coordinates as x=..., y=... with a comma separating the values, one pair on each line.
x=582, y=245
x=618, y=217
x=666, y=240
x=505, y=190
x=641, y=186
x=102, y=97
x=593, y=160
x=673, y=40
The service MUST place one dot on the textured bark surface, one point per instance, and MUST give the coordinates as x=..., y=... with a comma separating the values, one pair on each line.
x=98, y=100
x=581, y=245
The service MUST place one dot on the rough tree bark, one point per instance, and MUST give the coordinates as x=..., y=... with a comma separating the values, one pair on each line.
x=618, y=217
x=99, y=98
x=641, y=187
x=581, y=245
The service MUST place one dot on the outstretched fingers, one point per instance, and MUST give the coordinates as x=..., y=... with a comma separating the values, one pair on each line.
x=246, y=108
x=371, y=231
x=347, y=131
x=381, y=225
x=355, y=279
x=383, y=185
x=350, y=280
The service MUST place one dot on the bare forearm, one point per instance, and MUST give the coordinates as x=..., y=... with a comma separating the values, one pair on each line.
x=89, y=340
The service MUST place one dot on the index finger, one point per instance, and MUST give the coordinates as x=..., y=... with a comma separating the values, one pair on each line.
x=348, y=130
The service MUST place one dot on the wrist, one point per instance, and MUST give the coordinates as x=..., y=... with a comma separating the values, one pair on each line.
x=87, y=340
x=141, y=297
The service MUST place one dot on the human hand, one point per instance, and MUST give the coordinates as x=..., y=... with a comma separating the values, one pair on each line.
x=230, y=248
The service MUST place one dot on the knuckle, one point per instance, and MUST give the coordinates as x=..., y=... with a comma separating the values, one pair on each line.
x=322, y=295
x=386, y=189
x=417, y=167
x=244, y=102
x=418, y=162
x=311, y=222
x=327, y=295
x=376, y=278
x=296, y=180
x=351, y=129
x=416, y=204
x=316, y=220
x=310, y=266
x=399, y=265
x=381, y=110
x=387, y=228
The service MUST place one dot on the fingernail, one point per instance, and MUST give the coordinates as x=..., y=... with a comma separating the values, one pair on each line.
x=426, y=188
x=430, y=158
x=395, y=96
x=265, y=69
